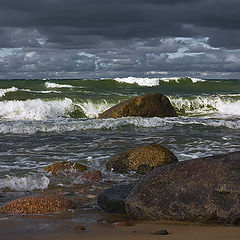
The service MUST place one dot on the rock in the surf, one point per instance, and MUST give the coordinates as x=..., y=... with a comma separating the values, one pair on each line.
x=92, y=176
x=200, y=190
x=38, y=205
x=149, y=105
x=64, y=168
x=113, y=199
x=141, y=159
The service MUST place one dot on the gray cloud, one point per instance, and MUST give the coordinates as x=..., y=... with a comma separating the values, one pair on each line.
x=94, y=38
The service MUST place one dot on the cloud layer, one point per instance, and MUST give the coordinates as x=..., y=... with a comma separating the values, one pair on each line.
x=110, y=38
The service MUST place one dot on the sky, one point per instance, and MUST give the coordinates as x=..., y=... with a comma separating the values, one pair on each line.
x=119, y=38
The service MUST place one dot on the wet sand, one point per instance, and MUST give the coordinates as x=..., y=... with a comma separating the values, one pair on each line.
x=106, y=231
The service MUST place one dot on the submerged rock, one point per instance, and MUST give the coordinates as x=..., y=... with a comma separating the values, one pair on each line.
x=149, y=105
x=64, y=167
x=92, y=176
x=37, y=205
x=113, y=199
x=202, y=190
x=141, y=159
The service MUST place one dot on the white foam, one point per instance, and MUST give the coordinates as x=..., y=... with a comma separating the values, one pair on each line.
x=92, y=110
x=178, y=79
x=55, y=85
x=35, y=109
x=150, y=82
x=4, y=91
x=27, y=183
x=207, y=105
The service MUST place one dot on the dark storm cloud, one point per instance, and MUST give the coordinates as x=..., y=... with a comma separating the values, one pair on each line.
x=118, y=36
x=60, y=19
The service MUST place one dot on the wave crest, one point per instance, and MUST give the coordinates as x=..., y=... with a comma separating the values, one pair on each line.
x=28, y=183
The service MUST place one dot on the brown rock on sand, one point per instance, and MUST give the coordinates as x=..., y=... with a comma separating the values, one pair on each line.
x=141, y=159
x=64, y=167
x=201, y=190
x=37, y=205
x=149, y=105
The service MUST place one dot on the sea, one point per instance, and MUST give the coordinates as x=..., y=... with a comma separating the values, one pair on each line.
x=43, y=121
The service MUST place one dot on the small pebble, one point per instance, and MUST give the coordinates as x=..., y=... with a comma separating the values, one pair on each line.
x=161, y=232
x=80, y=228
x=90, y=196
x=122, y=224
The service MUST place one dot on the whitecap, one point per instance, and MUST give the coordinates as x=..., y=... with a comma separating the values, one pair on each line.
x=28, y=183
x=4, y=91
x=35, y=109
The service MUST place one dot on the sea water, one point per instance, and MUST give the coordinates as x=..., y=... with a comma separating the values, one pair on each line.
x=46, y=121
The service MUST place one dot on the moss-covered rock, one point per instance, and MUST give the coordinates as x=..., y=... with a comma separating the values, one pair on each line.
x=141, y=159
x=64, y=168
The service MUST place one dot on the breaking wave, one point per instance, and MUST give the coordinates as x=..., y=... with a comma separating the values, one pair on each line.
x=4, y=91
x=56, y=85
x=68, y=125
x=150, y=82
x=35, y=109
x=28, y=183
x=202, y=105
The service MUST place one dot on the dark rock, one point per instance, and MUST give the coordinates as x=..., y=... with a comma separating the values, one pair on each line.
x=149, y=105
x=161, y=232
x=202, y=190
x=64, y=168
x=141, y=159
x=38, y=205
x=113, y=199
x=92, y=176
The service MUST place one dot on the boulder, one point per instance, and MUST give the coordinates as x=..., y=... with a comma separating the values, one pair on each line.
x=37, y=205
x=113, y=199
x=149, y=105
x=141, y=159
x=64, y=168
x=200, y=190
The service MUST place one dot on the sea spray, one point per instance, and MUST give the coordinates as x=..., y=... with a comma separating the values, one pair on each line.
x=28, y=183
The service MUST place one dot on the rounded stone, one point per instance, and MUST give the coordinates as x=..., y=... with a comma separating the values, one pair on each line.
x=148, y=105
x=141, y=159
x=37, y=205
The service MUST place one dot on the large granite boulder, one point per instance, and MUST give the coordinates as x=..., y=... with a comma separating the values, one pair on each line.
x=202, y=190
x=64, y=168
x=38, y=205
x=141, y=159
x=149, y=105
x=113, y=199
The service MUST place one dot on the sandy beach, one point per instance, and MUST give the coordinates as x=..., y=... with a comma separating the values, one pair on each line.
x=54, y=228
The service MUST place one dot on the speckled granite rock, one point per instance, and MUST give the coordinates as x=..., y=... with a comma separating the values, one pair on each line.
x=37, y=205
x=202, y=190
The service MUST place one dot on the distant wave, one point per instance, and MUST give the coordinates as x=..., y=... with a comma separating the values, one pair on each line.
x=28, y=183
x=4, y=91
x=150, y=82
x=55, y=85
